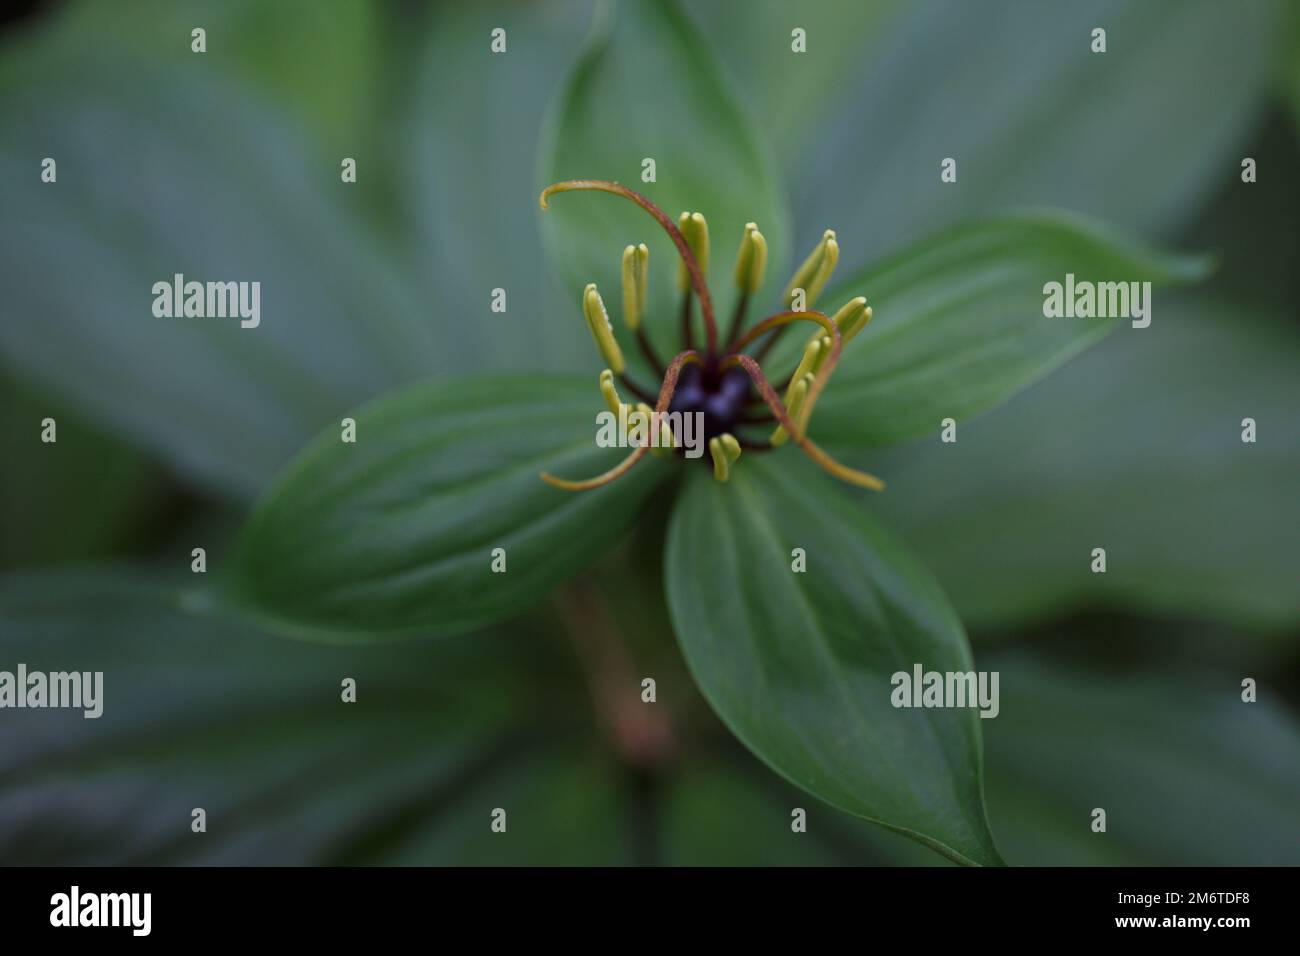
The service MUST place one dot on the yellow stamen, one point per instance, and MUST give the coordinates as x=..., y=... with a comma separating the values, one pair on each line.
x=645, y=415
x=725, y=450
x=636, y=269
x=695, y=230
x=610, y=393
x=852, y=317
x=593, y=307
x=811, y=355
x=751, y=261
x=794, y=398
x=823, y=460
x=602, y=479
x=815, y=271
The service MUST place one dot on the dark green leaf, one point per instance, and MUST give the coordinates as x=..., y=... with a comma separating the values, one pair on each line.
x=1135, y=135
x=319, y=68
x=469, y=179
x=959, y=324
x=395, y=533
x=723, y=812
x=648, y=86
x=796, y=95
x=201, y=712
x=204, y=712
x=1188, y=774
x=1135, y=448
x=154, y=179
x=69, y=500
x=799, y=665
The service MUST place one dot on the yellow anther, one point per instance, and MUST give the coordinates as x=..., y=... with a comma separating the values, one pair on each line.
x=725, y=450
x=816, y=270
x=610, y=393
x=593, y=307
x=852, y=318
x=696, y=233
x=751, y=261
x=812, y=353
x=641, y=419
x=636, y=270
x=826, y=343
x=794, y=399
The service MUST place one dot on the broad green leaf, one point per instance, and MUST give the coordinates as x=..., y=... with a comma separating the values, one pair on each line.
x=648, y=87
x=1188, y=774
x=468, y=181
x=795, y=95
x=320, y=68
x=959, y=323
x=395, y=533
x=1136, y=135
x=204, y=712
x=798, y=665
x=731, y=810
x=1136, y=448
x=201, y=711
x=155, y=179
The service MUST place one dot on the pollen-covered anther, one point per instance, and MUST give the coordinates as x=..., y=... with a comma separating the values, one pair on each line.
x=815, y=271
x=695, y=230
x=724, y=449
x=593, y=307
x=751, y=260
x=636, y=273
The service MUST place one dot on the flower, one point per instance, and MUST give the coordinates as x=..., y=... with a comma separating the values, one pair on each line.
x=723, y=383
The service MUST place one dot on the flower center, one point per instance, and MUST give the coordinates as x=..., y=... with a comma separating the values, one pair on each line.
x=720, y=396
x=716, y=386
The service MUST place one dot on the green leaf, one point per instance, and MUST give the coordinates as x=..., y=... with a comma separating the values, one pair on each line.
x=199, y=711
x=1188, y=774
x=798, y=665
x=735, y=812
x=796, y=95
x=648, y=87
x=71, y=500
x=154, y=179
x=468, y=180
x=1067, y=127
x=395, y=533
x=320, y=68
x=959, y=324
x=1136, y=447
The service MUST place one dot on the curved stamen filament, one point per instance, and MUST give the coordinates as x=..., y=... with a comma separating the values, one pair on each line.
x=828, y=366
x=784, y=318
x=683, y=248
x=618, y=471
x=666, y=392
x=825, y=461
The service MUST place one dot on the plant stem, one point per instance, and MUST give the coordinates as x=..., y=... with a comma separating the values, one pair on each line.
x=640, y=733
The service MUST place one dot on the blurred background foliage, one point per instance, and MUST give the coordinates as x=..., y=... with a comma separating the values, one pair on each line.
x=1119, y=691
